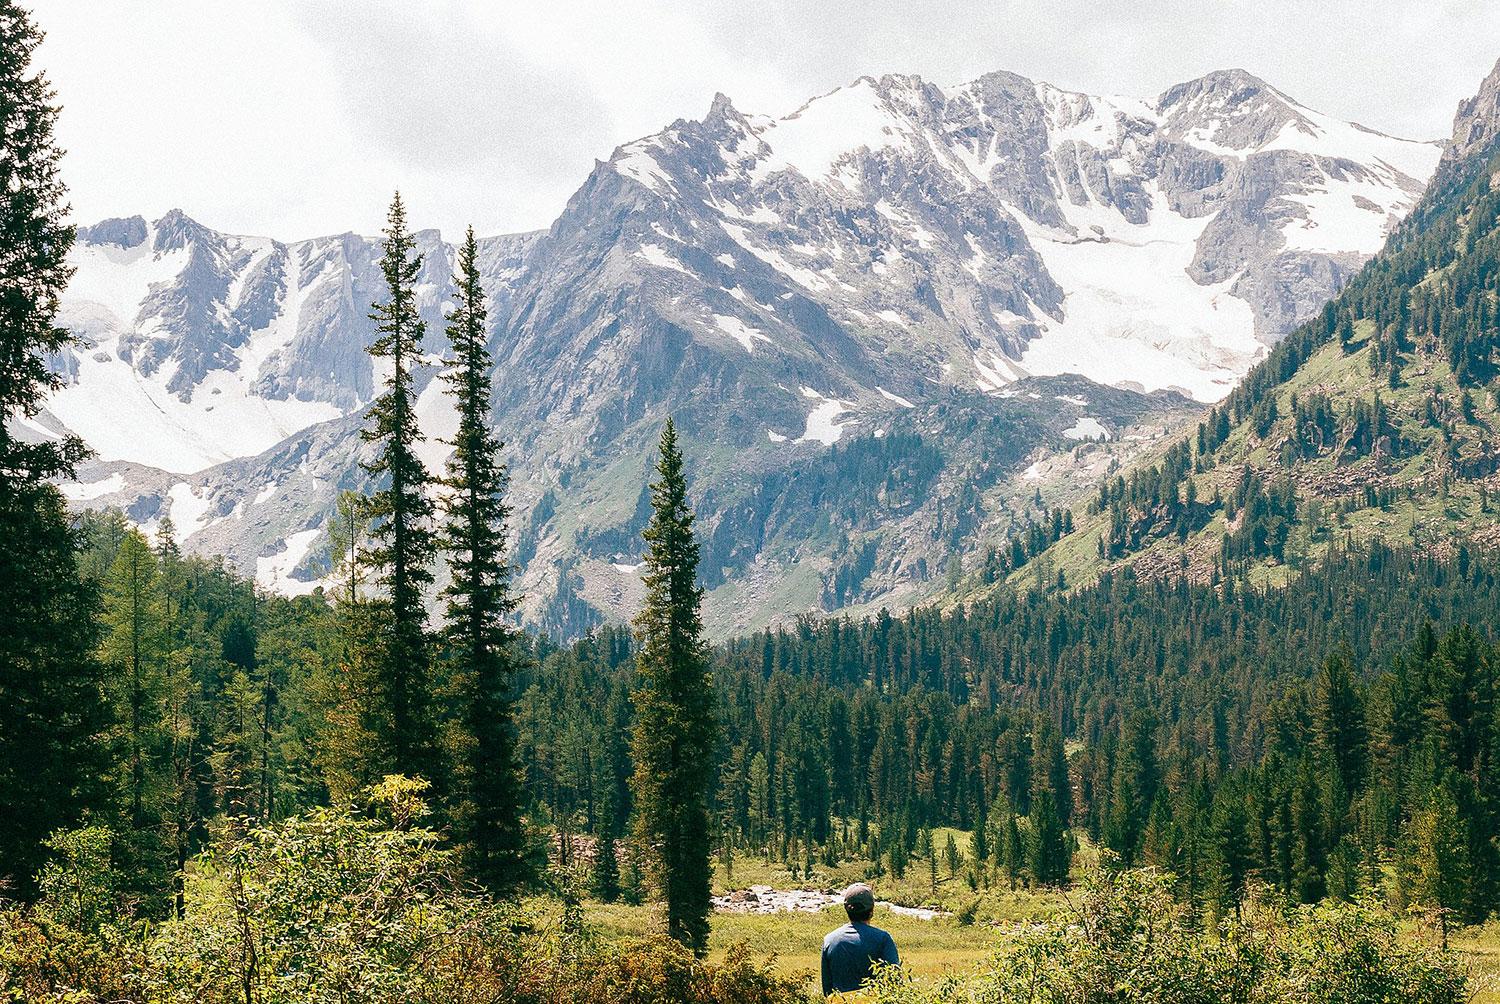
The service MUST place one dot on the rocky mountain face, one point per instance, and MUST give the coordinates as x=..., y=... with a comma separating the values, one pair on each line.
x=886, y=322
x=1476, y=127
x=1374, y=421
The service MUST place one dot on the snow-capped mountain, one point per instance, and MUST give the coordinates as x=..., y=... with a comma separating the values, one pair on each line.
x=1028, y=229
x=895, y=268
x=199, y=347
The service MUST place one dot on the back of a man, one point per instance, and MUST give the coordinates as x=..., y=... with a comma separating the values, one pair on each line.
x=850, y=952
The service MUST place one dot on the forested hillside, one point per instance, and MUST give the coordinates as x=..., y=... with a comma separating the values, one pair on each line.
x=1303, y=735
x=1244, y=705
x=1299, y=735
x=1375, y=420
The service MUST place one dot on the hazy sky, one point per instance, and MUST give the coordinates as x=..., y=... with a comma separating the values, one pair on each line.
x=293, y=118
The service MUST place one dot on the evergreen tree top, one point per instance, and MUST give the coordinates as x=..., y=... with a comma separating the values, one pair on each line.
x=34, y=241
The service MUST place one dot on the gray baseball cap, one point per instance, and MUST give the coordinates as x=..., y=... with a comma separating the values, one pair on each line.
x=859, y=897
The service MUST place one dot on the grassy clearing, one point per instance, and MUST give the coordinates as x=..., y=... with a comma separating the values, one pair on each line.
x=928, y=948
x=935, y=948
x=1481, y=946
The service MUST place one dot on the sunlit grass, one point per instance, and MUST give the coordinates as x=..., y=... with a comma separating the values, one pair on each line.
x=928, y=948
x=1481, y=946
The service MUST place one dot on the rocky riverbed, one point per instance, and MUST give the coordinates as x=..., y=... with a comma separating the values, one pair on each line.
x=765, y=899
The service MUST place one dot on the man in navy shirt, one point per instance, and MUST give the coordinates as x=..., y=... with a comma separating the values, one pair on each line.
x=851, y=951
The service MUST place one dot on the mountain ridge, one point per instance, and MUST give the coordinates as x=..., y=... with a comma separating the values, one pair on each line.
x=782, y=294
x=1375, y=420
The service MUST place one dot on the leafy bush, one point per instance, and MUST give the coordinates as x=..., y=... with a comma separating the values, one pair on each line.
x=43, y=961
x=658, y=971
x=78, y=887
x=1129, y=942
x=338, y=906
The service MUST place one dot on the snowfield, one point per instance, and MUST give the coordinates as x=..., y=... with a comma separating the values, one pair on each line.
x=1132, y=315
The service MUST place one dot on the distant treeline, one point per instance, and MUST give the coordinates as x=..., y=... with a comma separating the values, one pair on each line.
x=1308, y=735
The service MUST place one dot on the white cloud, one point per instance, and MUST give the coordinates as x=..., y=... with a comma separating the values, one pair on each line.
x=297, y=117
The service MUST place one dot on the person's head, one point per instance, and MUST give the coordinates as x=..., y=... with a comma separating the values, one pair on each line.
x=859, y=902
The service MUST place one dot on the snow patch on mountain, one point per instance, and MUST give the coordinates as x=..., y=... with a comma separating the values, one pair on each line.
x=820, y=134
x=75, y=492
x=119, y=279
x=739, y=331
x=1087, y=427
x=125, y=415
x=187, y=510
x=274, y=571
x=894, y=398
x=823, y=425
x=638, y=163
x=659, y=256
x=1132, y=315
x=438, y=418
x=1322, y=135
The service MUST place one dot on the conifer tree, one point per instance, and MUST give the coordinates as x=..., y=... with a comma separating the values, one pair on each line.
x=1228, y=853
x=979, y=845
x=1012, y=851
x=135, y=650
x=34, y=269
x=604, y=875
x=400, y=716
x=676, y=729
x=480, y=602
x=952, y=857
x=342, y=690
x=1049, y=850
x=1437, y=869
x=52, y=708
x=1049, y=854
x=1340, y=734
x=1136, y=780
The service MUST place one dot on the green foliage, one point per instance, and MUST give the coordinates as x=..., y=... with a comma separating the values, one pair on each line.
x=480, y=642
x=341, y=906
x=52, y=713
x=137, y=652
x=1130, y=941
x=34, y=270
x=399, y=717
x=79, y=887
x=54, y=756
x=654, y=972
x=676, y=728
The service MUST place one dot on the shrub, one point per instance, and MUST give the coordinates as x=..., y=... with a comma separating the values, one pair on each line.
x=1129, y=942
x=340, y=906
x=660, y=970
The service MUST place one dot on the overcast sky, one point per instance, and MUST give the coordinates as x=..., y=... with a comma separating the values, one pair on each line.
x=293, y=118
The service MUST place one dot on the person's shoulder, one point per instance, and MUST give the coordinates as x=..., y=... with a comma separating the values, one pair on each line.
x=836, y=935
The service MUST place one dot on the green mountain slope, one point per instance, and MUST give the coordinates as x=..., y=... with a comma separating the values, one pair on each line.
x=1379, y=419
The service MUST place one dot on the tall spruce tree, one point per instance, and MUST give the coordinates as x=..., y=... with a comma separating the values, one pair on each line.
x=676, y=729
x=135, y=649
x=52, y=709
x=400, y=715
x=1049, y=847
x=480, y=640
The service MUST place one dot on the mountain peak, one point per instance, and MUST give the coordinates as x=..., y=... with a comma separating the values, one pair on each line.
x=1231, y=90
x=722, y=106
x=176, y=229
x=782, y=284
x=122, y=231
x=1476, y=125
